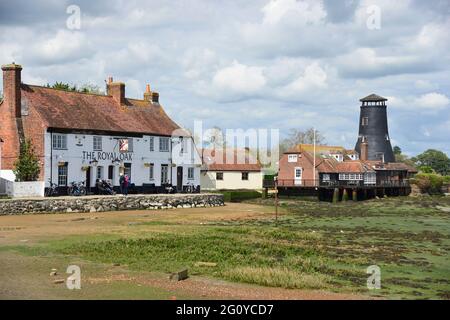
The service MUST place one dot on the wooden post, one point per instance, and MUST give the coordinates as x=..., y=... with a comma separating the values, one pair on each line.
x=344, y=195
x=355, y=195
x=335, y=195
x=276, y=199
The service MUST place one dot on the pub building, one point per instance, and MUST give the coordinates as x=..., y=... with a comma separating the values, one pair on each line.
x=85, y=136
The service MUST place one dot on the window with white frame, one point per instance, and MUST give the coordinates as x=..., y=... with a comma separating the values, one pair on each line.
x=292, y=158
x=370, y=178
x=326, y=177
x=152, y=143
x=191, y=173
x=164, y=173
x=298, y=173
x=350, y=176
x=151, y=171
x=164, y=144
x=62, y=174
x=97, y=143
x=59, y=141
x=365, y=121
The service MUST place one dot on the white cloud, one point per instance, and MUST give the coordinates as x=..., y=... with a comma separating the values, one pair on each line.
x=313, y=78
x=304, y=12
x=239, y=78
x=433, y=100
x=65, y=45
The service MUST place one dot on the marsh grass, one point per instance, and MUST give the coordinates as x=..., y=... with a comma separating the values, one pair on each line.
x=315, y=245
x=277, y=277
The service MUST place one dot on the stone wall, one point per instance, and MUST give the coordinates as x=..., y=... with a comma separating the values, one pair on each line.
x=108, y=203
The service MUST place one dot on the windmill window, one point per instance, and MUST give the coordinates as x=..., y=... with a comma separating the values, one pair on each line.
x=365, y=121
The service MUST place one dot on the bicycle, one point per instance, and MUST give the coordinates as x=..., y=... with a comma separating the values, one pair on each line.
x=52, y=190
x=76, y=189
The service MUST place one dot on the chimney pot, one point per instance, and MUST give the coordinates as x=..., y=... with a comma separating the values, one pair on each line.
x=148, y=93
x=155, y=97
x=117, y=91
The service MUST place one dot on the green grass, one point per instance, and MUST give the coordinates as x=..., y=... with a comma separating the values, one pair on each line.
x=315, y=245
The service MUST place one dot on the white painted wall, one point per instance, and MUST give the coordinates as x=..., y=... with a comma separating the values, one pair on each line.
x=80, y=151
x=25, y=189
x=231, y=180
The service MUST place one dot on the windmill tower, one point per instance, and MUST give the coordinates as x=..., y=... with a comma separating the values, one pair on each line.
x=373, y=135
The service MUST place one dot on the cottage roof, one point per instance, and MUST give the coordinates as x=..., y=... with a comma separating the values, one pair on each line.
x=61, y=109
x=242, y=160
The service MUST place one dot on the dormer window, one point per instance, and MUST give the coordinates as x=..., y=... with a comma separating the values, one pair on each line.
x=338, y=157
x=292, y=158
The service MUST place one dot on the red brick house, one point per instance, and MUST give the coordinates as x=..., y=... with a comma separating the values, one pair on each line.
x=336, y=166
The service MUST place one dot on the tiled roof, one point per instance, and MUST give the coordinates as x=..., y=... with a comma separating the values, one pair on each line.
x=216, y=160
x=372, y=97
x=80, y=111
x=399, y=166
x=319, y=148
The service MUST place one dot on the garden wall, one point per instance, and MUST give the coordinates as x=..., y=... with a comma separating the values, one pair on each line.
x=108, y=203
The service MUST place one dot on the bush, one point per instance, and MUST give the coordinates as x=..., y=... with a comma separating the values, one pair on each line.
x=26, y=167
x=430, y=183
x=240, y=195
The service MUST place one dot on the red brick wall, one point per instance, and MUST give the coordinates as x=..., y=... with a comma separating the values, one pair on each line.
x=287, y=169
x=10, y=111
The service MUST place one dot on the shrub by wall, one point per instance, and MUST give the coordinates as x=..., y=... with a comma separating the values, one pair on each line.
x=430, y=183
x=240, y=195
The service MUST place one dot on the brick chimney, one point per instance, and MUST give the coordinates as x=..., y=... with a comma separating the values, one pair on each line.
x=155, y=97
x=117, y=91
x=147, y=93
x=364, y=150
x=11, y=88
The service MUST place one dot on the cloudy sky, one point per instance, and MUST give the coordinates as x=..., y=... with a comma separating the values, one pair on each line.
x=251, y=63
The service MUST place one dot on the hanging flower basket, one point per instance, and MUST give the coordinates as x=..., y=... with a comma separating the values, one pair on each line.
x=84, y=168
x=61, y=163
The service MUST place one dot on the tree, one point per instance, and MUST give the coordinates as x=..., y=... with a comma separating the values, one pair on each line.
x=397, y=150
x=26, y=167
x=62, y=86
x=214, y=138
x=435, y=159
x=400, y=157
x=296, y=137
x=85, y=88
x=90, y=88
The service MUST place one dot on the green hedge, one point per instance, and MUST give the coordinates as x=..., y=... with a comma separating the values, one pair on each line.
x=239, y=195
